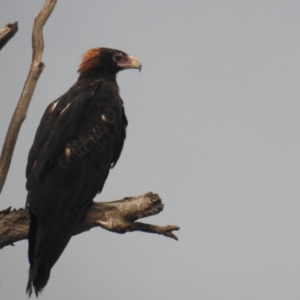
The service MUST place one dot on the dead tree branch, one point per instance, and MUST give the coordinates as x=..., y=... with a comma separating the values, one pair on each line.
x=116, y=216
x=35, y=71
x=7, y=32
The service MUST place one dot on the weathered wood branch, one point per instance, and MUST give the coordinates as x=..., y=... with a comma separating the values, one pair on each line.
x=35, y=71
x=116, y=216
x=7, y=32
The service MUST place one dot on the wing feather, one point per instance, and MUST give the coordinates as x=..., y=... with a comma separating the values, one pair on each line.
x=75, y=145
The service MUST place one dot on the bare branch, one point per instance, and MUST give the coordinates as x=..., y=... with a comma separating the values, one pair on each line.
x=116, y=216
x=36, y=69
x=7, y=32
x=14, y=226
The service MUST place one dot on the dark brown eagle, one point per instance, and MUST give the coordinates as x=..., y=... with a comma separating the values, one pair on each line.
x=79, y=139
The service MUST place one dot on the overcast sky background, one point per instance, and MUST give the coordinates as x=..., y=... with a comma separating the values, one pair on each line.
x=213, y=129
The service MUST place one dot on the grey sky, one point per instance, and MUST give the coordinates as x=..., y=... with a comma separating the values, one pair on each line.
x=213, y=128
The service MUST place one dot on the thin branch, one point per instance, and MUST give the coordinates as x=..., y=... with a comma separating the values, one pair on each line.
x=36, y=69
x=116, y=216
x=7, y=32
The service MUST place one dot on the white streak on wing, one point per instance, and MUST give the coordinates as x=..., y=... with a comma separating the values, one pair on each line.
x=52, y=108
x=104, y=118
x=64, y=109
x=67, y=152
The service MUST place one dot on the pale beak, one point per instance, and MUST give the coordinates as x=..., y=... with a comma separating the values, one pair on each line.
x=130, y=63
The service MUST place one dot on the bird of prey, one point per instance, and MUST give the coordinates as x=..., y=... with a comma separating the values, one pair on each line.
x=79, y=139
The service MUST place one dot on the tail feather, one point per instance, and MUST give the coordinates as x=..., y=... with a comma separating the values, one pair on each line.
x=49, y=241
x=37, y=283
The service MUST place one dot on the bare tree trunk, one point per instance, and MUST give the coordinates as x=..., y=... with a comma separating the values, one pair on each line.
x=35, y=71
x=116, y=216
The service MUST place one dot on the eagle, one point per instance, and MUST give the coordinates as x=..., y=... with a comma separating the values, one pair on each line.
x=79, y=139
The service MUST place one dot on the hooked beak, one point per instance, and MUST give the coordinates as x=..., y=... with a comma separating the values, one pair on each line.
x=130, y=63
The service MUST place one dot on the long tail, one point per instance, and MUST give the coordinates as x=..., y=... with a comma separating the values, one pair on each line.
x=37, y=281
x=47, y=241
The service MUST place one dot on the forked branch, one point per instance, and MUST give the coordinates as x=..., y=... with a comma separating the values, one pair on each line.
x=116, y=216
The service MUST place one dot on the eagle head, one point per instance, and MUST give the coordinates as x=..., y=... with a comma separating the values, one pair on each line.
x=105, y=59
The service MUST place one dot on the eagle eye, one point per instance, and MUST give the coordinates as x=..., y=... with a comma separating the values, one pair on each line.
x=118, y=57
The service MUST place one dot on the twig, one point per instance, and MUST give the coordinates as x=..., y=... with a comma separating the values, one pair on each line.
x=7, y=32
x=36, y=69
x=117, y=216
